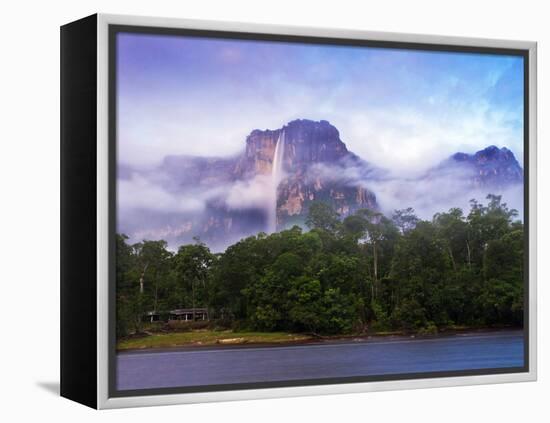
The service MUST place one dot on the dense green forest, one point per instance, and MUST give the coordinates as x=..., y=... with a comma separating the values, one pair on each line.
x=365, y=272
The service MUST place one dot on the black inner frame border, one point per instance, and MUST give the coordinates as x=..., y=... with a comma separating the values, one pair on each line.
x=114, y=29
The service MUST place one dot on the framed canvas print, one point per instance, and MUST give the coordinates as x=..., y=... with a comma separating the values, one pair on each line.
x=253, y=211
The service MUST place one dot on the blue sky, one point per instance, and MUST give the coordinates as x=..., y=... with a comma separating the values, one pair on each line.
x=399, y=109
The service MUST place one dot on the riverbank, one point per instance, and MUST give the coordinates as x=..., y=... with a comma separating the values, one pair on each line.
x=199, y=338
x=363, y=357
x=208, y=337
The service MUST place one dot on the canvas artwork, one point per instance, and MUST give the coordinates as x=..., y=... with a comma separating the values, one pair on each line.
x=293, y=213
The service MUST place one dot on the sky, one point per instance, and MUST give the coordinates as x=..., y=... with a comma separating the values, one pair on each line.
x=403, y=110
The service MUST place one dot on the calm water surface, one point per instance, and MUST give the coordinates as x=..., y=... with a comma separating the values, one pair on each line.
x=201, y=366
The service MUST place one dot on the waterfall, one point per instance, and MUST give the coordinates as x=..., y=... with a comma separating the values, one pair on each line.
x=277, y=175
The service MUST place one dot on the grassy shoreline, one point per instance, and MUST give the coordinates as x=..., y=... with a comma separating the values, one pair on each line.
x=198, y=338
x=208, y=337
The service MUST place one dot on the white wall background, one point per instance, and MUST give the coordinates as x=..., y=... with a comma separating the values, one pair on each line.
x=29, y=235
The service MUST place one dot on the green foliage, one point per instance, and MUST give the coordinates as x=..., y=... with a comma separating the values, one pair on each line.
x=322, y=216
x=381, y=320
x=405, y=220
x=305, y=303
x=502, y=301
x=409, y=315
x=366, y=271
x=429, y=329
x=338, y=316
x=191, y=272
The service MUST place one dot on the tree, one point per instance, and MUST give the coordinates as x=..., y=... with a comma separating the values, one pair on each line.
x=192, y=263
x=152, y=262
x=322, y=216
x=268, y=295
x=379, y=233
x=409, y=315
x=355, y=227
x=239, y=268
x=305, y=303
x=452, y=230
x=502, y=296
x=341, y=271
x=502, y=301
x=338, y=312
x=124, y=262
x=366, y=271
x=124, y=285
x=487, y=223
x=405, y=219
x=420, y=266
x=140, y=271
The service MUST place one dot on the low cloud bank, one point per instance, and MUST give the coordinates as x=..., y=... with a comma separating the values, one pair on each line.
x=428, y=194
x=153, y=207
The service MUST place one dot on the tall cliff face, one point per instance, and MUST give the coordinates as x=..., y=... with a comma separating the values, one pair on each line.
x=306, y=142
x=309, y=142
x=259, y=152
x=313, y=162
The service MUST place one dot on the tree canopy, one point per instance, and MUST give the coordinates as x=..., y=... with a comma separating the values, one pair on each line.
x=366, y=271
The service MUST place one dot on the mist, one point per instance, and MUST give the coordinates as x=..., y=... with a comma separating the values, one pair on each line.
x=434, y=191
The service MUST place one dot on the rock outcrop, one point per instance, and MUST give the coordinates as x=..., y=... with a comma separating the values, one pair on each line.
x=491, y=167
x=314, y=164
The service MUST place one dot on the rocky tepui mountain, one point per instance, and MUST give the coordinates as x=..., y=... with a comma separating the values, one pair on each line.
x=314, y=166
x=313, y=160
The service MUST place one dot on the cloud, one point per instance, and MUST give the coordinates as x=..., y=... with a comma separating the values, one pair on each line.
x=152, y=207
x=427, y=193
x=403, y=110
x=255, y=193
x=431, y=196
x=347, y=173
x=408, y=141
x=166, y=232
x=137, y=192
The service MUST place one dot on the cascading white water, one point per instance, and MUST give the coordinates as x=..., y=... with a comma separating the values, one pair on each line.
x=277, y=175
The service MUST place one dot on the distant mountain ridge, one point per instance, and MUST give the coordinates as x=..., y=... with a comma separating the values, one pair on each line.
x=316, y=166
x=491, y=167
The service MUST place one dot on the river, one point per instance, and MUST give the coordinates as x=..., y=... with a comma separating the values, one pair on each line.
x=372, y=357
